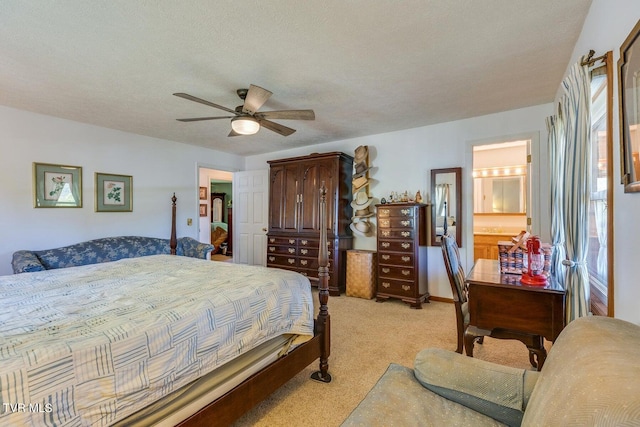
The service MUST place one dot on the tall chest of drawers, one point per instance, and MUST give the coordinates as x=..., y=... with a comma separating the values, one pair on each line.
x=402, y=253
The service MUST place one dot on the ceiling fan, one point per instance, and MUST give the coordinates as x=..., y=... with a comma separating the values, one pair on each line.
x=246, y=119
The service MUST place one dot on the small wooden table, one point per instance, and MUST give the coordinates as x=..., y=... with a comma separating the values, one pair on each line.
x=501, y=307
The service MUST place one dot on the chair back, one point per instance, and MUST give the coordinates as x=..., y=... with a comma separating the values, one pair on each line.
x=451, y=255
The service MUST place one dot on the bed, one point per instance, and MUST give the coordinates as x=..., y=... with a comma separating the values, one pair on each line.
x=160, y=340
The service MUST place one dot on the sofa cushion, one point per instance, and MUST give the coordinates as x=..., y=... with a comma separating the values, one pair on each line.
x=494, y=390
x=591, y=377
x=398, y=399
x=25, y=262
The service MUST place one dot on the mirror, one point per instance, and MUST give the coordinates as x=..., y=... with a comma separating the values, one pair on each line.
x=446, y=208
x=506, y=194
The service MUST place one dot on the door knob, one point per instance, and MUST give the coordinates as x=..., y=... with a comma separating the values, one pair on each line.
x=264, y=229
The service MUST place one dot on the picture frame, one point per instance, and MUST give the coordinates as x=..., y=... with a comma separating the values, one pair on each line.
x=113, y=193
x=629, y=100
x=57, y=186
x=203, y=210
x=203, y=193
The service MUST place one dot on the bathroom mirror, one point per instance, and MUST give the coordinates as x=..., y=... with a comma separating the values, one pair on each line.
x=446, y=207
x=504, y=195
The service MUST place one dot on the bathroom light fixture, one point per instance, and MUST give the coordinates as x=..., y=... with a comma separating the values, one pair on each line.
x=245, y=125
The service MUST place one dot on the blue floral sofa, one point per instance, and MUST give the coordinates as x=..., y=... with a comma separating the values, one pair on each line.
x=104, y=250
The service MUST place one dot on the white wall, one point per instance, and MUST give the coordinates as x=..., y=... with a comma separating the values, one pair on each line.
x=607, y=25
x=159, y=168
x=403, y=161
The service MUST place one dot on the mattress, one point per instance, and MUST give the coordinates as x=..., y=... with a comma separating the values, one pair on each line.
x=91, y=345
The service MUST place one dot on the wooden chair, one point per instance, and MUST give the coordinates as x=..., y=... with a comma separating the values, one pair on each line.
x=451, y=255
x=459, y=289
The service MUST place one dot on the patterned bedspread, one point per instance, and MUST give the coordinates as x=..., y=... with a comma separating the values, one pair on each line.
x=90, y=345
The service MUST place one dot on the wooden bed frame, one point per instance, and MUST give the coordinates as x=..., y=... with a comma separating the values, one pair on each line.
x=232, y=405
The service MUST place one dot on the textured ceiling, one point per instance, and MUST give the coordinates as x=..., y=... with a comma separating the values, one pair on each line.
x=364, y=66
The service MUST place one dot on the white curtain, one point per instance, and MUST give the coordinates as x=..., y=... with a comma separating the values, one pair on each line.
x=556, y=155
x=574, y=183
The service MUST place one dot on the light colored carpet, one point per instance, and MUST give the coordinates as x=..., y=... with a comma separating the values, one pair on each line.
x=366, y=337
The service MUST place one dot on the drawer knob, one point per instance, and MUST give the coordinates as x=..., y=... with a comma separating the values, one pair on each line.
x=303, y=261
x=386, y=233
x=405, y=211
x=406, y=272
x=405, y=223
x=304, y=251
x=406, y=287
x=405, y=233
x=385, y=270
x=272, y=258
x=385, y=257
x=386, y=284
x=272, y=248
x=304, y=242
x=384, y=211
x=292, y=250
x=406, y=245
x=291, y=241
x=291, y=260
x=271, y=240
x=385, y=244
x=406, y=258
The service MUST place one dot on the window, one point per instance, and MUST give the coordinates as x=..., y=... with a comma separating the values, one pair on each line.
x=600, y=208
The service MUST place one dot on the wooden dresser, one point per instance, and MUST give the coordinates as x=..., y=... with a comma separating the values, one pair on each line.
x=402, y=253
x=293, y=236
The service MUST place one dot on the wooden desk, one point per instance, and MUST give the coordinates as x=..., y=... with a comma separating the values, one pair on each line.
x=501, y=307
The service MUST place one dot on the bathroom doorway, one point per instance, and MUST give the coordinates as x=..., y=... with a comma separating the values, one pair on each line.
x=501, y=194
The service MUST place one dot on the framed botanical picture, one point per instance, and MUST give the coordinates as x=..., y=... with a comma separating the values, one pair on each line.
x=203, y=193
x=114, y=193
x=203, y=210
x=57, y=186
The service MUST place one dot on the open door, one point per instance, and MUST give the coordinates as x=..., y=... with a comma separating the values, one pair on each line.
x=251, y=213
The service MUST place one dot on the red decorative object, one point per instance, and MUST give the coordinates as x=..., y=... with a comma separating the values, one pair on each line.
x=535, y=263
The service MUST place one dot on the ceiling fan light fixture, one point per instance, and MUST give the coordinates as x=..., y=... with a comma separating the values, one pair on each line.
x=245, y=125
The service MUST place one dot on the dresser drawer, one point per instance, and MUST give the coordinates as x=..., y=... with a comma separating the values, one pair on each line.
x=281, y=260
x=396, y=287
x=395, y=245
x=395, y=259
x=398, y=211
x=281, y=241
x=395, y=222
x=395, y=234
x=282, y=250
x=396, y=272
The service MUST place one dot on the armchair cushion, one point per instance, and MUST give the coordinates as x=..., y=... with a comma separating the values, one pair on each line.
x=500, y=392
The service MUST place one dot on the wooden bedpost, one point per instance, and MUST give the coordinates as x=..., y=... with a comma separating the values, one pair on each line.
x=323, y=321
x=173, y=242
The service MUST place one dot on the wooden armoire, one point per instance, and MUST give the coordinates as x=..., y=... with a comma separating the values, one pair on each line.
x=294, y=195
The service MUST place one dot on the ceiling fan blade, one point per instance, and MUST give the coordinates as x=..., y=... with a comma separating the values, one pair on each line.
x=197, y=119
x=256, y=97
x=202, y=101
x=234, y=133
x=276, y=127
x=287, y=115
